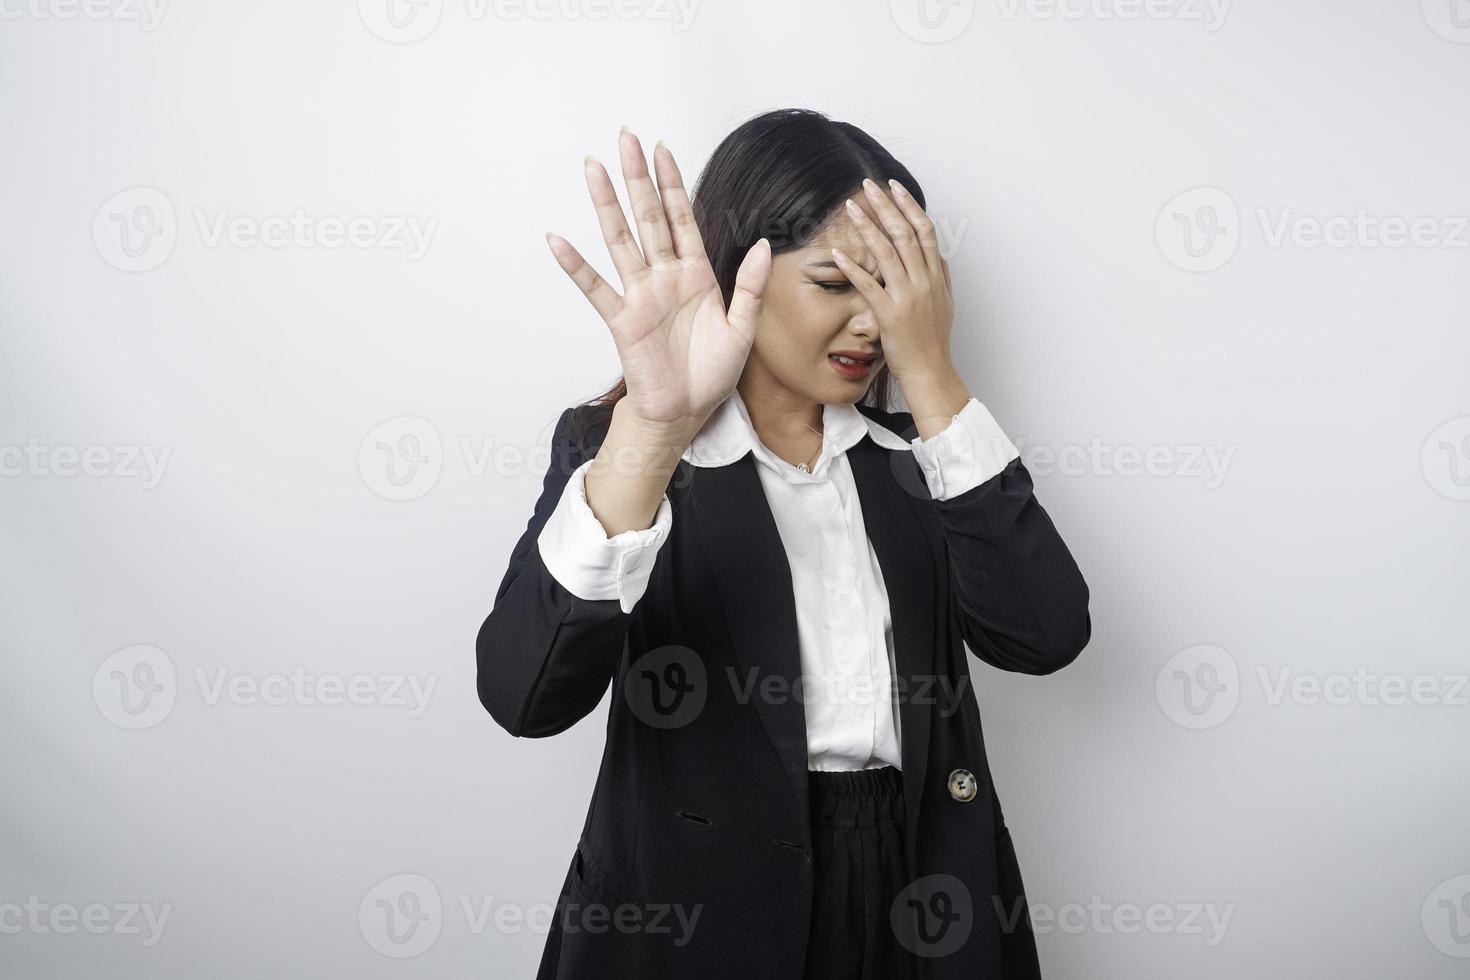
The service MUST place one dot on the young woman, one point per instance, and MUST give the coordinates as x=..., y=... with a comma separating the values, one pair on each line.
x=778, y=575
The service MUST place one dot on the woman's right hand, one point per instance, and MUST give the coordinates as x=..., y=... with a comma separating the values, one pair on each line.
x=681, y=352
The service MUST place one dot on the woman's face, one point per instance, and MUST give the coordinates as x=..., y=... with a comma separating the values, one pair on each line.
x=811, y=311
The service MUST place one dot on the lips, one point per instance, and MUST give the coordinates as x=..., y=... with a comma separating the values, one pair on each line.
x=852, y=365
x=854, y=358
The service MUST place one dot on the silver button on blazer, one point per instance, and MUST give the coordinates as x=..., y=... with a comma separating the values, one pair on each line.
x=694, y=859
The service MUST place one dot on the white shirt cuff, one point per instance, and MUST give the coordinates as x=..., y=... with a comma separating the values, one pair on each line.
x=969, y=451
x=576, y=549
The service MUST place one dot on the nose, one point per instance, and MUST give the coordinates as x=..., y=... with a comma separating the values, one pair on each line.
x=864, y=325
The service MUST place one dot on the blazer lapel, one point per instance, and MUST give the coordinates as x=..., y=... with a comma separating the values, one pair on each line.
x=887, y=484
x=754, y=582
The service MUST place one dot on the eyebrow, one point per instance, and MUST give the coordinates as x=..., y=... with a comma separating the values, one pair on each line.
x=831, y=264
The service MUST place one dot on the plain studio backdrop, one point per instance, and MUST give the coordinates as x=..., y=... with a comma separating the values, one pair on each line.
x=283, y=344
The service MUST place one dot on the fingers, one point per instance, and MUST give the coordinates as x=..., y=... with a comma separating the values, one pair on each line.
x=603, y=297
x=900, y=232
x=621, y=245
x=648, y=210
x=889, y=262
x=687, y=241
x=923, y=227
x=864, y=282
x=750, y=289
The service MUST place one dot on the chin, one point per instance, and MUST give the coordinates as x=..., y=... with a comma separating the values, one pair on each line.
x=843, y=394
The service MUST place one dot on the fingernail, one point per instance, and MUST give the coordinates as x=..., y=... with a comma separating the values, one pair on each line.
x=625, y=129
x=854, y=210
x=869, y=185
x=837, y=254
x=897, y=187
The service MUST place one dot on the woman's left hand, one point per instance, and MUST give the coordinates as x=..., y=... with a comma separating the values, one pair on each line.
x=915, y=305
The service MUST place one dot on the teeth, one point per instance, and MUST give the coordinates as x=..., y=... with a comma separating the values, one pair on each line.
x=846, y=360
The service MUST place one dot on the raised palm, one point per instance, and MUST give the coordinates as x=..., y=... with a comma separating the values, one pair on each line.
x=681, y=352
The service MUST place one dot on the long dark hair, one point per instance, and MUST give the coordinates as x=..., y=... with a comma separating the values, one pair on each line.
x=779, y=176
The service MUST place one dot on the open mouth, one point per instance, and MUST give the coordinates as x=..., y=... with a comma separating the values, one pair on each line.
x=852, y=368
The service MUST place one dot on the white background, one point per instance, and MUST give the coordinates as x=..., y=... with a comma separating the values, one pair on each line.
x=1331, y=383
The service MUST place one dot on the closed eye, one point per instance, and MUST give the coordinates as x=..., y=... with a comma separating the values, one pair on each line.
x=833, y=287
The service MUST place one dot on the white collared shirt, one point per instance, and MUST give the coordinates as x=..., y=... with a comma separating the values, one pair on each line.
x=844, y=629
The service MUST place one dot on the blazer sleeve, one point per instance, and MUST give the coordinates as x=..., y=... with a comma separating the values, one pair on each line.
x=1022, y=601
x=546, y=652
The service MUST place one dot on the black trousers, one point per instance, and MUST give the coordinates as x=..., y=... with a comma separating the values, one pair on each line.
x=859, y=869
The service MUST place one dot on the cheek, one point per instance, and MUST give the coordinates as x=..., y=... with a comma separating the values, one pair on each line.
x=799, y=324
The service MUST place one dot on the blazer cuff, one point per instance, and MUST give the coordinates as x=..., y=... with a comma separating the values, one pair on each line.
x=969, y=451
x=576, y=549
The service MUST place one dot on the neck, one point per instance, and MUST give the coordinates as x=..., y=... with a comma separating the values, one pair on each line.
x=780, y=417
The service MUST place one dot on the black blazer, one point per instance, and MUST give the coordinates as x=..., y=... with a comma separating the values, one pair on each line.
x=700, y=805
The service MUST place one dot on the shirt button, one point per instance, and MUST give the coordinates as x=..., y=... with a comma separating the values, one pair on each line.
x=962, y=785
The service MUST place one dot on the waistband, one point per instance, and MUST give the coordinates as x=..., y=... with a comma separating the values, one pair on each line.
x=855, y=798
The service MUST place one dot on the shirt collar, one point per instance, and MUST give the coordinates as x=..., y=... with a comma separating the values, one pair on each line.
x=728, y=434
